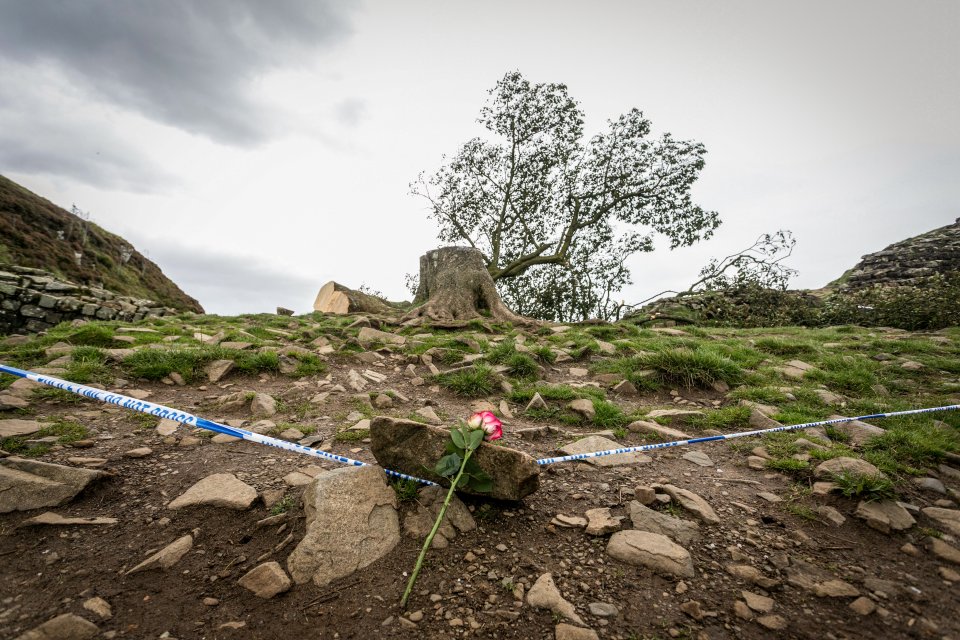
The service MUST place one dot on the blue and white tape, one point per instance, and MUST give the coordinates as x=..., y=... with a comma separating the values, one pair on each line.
x=183, y=417
x=189, y=419
x=743, y=434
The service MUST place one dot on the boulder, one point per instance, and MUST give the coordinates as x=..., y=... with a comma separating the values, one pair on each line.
x=351, y=522
x=651, y=550
x=30, y=484
x=414, y=448
x=217, y=490
x=599, y=443
x=678, y=529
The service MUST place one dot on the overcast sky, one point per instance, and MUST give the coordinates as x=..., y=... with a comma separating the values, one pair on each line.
x=255, y=150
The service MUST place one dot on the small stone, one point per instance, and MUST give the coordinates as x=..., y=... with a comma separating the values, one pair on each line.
x=692, y=609
x=741, y=610
x=835, y=589
x=831, y=515
x=166, y=557
x=416, y=616
x=210, y=602
x=698, y=458
x=568, y=522
x=383, y=401
x=218, y=490
x=692, y=503
x=829, y=469
x=863, y=606
x=760, y=604
x=910, y=550
x=645, y=495
x=769, y=497
x=603, y=610
x=652, y=550
x=545, y=595
x=564, y=631
x=266, y=580
x=885, y=515
x=64, y=627
x=141, y=452
x=600, y=522
x=100, y=607
x=428, y=414
x=774, y=623
x=944, y=551
x=583, y=407
x=536, y=402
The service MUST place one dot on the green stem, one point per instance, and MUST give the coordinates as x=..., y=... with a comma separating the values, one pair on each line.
x=433, y=532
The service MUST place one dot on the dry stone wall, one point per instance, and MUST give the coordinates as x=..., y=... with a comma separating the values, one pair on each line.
x=33, y=300
x=910, y=261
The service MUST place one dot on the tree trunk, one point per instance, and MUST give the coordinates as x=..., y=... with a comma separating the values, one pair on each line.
x=336, y=298
x=455, y=287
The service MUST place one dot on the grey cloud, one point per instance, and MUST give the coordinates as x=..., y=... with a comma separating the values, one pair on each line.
x=184, y=63
x=49, y=134
x=351, y=112
x=227, y=284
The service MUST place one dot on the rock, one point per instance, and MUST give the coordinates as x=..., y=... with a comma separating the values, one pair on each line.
x=64, y=627
x=863, y=606
x=599, y=443
x=930, y=484
x=651, y=550
x=774, y=623
x=217, y=490
x=692, y=609
x=858, y=432
x=351, y=522
x=167, y=427
x=382, y=401
x=100, y=607
x=751, y=574
x=741, y=610
x=263, y=405
x=13, y=428
x=140, y=452
x=266, y=580
x=944, y=551
x=30, y=484
x=885, y=515
x=835, y=589
x=414, y=448
x=625, y=388
x=369, y=336
x=645, y=495
x=564, y=631
x=568, y=522
x=698, y=458
x=50, y=518
x=673, y=413
x=769, y=497
x=545, y=595
x=218, y=369
x=828, y=397
x=758, y=603
x=582, y=407
x=692, y=503
x=948, y=518
x=831, y=515
x=756, y=462
x=911, y=365
x=578, y=372
x=642, y=426
x=429, y=415
x=457, y=519
x=760, y=420
x=681, y=531
x=600, y=522
x=166, y=557
x=603, y=610
x=829, y=469
x=536, y=402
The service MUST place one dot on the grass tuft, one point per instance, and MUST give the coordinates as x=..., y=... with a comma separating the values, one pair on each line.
x=474, y=382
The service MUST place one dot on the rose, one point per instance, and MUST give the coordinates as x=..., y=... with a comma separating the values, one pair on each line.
x=457, y=464
x=490, y=424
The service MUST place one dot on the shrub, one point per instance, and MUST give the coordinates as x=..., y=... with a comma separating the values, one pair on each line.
x=933, y=303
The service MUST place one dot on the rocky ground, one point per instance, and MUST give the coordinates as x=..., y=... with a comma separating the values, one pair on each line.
x=156, y=530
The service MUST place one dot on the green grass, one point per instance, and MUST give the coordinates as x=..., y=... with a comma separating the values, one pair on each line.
x=865, y=487
x=553, y=392
x=66, y=431
x=282, y=505
x=501, y=353
x=691, y=367
x=473, y=382
x=734, y=417
x=544, y=354
x=406, y=490
x=88, y=364
x=761, y=394
x=522, y=366
x=308, y=365
x=609, y=416
x=788, y=465
x=848, y=374
x=154, y=364
x=910, y=443
x=351, y=436
x=92, y=335
x=784, y=347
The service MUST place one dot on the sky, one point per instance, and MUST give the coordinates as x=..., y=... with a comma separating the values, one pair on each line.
x=256, y=150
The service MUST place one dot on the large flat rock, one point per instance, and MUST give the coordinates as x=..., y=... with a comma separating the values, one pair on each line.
x=12, y=428
x=219, y=490
x=414, y=448
x=651, y=550
x=29, y=484
x=593, y=444
x=351, y=522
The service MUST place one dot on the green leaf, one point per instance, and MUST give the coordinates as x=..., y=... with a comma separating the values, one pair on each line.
x=448, y=465
x=457, y=436
x=481, y=485
x=476, y=437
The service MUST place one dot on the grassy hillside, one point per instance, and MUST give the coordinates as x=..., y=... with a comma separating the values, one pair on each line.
x=36, y=233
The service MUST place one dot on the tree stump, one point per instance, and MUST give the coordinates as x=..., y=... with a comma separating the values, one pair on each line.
x=336, y=298
x=455, y=287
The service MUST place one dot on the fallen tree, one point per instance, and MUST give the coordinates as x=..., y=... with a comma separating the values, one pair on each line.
x=336, y=298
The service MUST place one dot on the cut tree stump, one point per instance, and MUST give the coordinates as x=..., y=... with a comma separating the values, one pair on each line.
x=336, y=298
x=455, y=287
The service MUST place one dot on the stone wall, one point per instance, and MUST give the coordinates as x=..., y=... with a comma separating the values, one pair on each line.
x=32, y=300
x=909, y=261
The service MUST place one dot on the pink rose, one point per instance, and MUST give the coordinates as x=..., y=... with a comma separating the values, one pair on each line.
x=490, y=424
